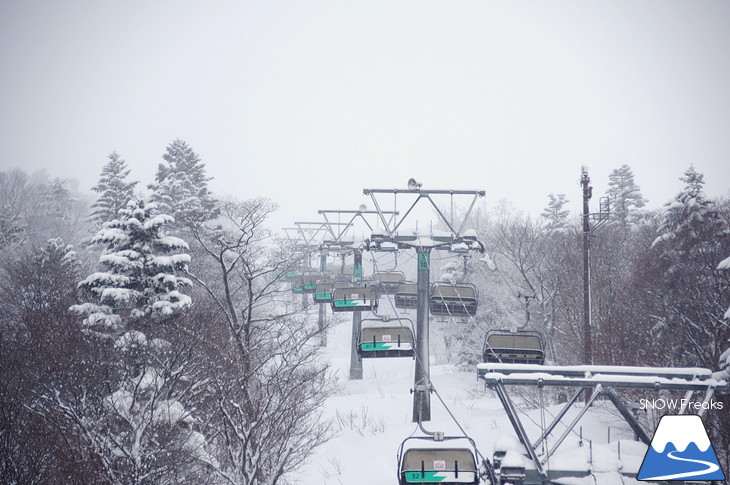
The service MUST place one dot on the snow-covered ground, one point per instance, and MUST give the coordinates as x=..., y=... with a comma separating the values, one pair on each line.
x=373, y=416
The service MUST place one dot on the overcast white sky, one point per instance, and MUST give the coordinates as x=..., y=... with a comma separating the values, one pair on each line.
x=308, y=102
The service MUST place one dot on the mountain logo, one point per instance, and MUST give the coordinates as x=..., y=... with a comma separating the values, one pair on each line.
x=680, y=450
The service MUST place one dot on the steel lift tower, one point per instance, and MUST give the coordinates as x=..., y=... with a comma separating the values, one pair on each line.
x=455, y=238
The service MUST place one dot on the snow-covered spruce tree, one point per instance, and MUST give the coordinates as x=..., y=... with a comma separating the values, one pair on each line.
x=140, y=264
x=691, y=292
x=113, y=188
x=143, y=432
x=555, y=215
x=181, y=187
x=624, y=195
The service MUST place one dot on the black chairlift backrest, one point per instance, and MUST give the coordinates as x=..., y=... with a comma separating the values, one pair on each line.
x=386, y=283
x=442, y=465
x=354, y=299
x=514, y=347
x=406, y=296
x=453, y=300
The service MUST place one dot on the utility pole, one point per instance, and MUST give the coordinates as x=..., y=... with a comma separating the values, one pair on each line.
x=600, y=218
x=587, y=338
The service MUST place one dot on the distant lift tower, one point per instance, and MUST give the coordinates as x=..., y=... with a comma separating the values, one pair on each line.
x=344, y=241
x=454, y=239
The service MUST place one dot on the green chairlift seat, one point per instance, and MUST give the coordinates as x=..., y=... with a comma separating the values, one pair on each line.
x=310, y=281
x=354, y=299
x=293, y=273
x=297, y=284
x=393, y=341
x=324, y=292
x=420, y=466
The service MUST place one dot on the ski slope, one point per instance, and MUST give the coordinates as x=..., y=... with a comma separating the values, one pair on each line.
x=373, y=416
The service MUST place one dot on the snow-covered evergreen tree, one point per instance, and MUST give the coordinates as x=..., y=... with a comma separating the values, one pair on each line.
x=181, y=187
x=140, y=263
x=624, y=195
x=690, y=219
x=692, y=238
x=113, y=188
x=554, y=214
x=725, y=357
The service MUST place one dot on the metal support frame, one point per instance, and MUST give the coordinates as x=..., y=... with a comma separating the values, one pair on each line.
x=423, y=194
x=600, y=380
x=423, y=244
x=337, y=235
x=355, y=361
x=517, y=425
x=638, y=430
x=558, y=418
x=569, y=429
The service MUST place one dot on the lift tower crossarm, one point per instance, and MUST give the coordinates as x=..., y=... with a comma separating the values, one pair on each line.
x=355, y=215
x=480, y=193
x=424, y=194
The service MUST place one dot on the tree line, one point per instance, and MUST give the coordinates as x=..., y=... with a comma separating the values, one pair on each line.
x=660, y=285
x=145, y=339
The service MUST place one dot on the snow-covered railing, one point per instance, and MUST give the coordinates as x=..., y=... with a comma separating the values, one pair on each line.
x=669, y=378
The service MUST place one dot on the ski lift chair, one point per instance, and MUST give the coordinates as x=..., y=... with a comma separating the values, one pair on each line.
x=393, y=341
x=386, y=283
x=311, y=280
x=442, y=464
x=297, y=285
x=346, y=274
x=293, y=273
x=514, y=347
x=406, y=296
x=354, y=299
x=449, y=300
